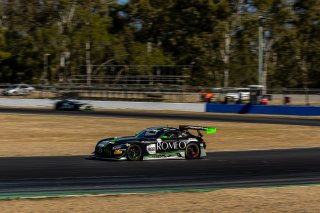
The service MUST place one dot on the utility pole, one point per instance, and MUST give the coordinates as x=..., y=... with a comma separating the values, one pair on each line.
x=226, y=57
x=45, y=69
x=260, y=68
x=88, y=63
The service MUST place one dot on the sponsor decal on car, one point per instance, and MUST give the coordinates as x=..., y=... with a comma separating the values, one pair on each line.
x=157, y=156
x=117, y=152
x=171, y=145
x=151, y=149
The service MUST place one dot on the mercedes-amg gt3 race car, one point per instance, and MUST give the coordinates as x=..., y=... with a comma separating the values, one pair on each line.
x=155, y=143
x=70, y=105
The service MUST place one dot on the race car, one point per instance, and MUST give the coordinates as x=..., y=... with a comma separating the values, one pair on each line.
x=155, y=143
x=72, y=105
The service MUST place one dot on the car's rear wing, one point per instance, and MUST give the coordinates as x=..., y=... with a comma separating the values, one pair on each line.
x=209, y=130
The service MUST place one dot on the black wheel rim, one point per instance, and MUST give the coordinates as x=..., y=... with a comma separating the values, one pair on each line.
x=134, y=153
x=192, y=151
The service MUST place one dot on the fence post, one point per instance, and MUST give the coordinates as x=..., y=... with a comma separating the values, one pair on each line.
x=306, y=92
x=283, y=95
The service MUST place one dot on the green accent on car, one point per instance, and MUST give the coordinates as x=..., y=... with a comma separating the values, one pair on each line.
x=115, y=139
x=164, y=153
x=164, y=137
x=211, y=130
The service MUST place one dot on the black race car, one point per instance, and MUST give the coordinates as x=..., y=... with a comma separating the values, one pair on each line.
x=155, y=143
x=72, y=105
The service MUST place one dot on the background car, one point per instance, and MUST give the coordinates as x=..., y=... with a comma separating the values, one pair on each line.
x=237, y=95
x=18, y=89
x=155, y=143
x=70, y=105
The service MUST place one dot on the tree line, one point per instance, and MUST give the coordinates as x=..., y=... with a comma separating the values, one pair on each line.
x=217, y=38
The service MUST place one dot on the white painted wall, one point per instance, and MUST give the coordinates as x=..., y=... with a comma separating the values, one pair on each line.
x=16, y=102
x=192, y=107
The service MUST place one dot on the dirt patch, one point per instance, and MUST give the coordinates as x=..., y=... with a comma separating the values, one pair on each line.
x=290, y=199
x=45, y=135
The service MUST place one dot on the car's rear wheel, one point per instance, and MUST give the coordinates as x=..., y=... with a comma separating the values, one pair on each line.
x=134, y=153
x=192, y=151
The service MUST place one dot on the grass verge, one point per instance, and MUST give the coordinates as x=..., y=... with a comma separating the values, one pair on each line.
x=57, y=135
x=288, y=199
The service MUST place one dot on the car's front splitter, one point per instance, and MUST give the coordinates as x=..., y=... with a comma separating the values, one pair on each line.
x=103, y=158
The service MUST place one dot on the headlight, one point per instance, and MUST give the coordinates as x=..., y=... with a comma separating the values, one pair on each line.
x=102, y=143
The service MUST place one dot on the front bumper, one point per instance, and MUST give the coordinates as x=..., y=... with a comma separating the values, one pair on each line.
x=86, y=108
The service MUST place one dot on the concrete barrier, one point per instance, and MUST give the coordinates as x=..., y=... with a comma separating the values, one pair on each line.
x=23, y=102
x=263, y=109
x=191, y=107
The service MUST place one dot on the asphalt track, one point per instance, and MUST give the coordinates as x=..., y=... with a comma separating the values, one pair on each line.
x=37, y=176
x=172, y=116
x=52, y=176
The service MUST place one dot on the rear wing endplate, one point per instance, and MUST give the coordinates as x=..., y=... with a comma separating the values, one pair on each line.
x=209, y=130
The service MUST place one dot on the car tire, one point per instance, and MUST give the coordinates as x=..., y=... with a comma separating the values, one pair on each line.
x=57, y=106
x=192, y=151
x=134, y=153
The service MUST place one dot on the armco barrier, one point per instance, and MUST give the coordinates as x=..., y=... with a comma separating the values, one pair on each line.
x=262, y=109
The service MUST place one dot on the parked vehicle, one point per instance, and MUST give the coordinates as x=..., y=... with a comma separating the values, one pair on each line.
x=225, y=95
x=236, y=95
x=18, y=89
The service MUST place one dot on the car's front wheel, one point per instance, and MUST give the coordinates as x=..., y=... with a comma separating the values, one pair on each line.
x=134, y=153
x=192, y=151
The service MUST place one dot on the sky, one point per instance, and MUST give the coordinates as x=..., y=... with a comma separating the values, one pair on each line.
x=122, y=1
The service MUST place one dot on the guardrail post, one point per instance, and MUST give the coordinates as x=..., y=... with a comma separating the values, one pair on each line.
x=306, y=92
x=283, y=95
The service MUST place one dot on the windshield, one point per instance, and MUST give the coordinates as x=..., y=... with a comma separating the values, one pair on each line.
x=149, y=133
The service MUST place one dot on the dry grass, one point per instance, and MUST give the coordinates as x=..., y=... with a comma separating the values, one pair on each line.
x=43, y=135
x=290, y=199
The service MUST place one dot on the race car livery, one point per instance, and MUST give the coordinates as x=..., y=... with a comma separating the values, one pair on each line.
x=155, y=143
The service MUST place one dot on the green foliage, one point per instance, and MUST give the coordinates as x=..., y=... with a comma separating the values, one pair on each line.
x=209, y=35
x=3, y=54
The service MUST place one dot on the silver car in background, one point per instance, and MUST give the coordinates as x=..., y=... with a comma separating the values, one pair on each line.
x=18, y=89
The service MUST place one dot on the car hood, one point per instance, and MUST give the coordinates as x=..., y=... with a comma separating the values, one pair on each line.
x=122, y=140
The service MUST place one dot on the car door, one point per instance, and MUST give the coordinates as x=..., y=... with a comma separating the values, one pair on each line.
x=67, y=105
x=23, y=89
x=170, y=141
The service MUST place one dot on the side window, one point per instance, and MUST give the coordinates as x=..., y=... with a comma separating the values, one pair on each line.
x=183, y=134
x=150, y=133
